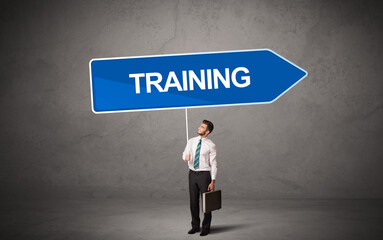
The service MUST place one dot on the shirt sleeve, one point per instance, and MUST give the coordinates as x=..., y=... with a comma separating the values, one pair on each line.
x=186, y=151
x=213, y=161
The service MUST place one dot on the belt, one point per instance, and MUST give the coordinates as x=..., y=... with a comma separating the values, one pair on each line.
x=199, y=171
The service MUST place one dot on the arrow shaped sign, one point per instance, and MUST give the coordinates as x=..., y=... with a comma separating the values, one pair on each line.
x=190, y=80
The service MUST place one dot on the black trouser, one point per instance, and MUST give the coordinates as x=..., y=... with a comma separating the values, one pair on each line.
x=198, y=184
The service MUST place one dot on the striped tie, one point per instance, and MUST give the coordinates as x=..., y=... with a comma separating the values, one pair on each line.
x=196, y=161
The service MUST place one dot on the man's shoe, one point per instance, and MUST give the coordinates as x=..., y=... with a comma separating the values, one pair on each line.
x=205, y=232
x=193, y=230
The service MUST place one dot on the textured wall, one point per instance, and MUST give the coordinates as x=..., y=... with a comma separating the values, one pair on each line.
x=322, y=139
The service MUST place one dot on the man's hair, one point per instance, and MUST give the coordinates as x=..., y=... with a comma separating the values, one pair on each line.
x=210, y=125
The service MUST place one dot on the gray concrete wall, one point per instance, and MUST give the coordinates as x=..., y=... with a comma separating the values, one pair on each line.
x=322, y=139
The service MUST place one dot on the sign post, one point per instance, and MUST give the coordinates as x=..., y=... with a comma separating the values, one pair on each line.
x=191, y=80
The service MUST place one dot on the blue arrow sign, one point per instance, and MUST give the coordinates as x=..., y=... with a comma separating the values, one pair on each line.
x=190, y=80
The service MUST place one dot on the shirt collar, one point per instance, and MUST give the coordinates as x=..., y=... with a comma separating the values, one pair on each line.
x=203, y=139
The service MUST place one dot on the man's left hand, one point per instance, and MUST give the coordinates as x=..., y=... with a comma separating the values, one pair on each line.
x=211, y=187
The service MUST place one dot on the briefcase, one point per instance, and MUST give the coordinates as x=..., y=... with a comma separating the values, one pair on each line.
x=211, y=201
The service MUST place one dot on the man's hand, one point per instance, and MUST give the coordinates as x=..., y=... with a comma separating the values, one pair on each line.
x=187, y=157
x=211, y=187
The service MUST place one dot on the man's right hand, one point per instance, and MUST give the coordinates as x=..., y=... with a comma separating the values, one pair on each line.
x=187, y=157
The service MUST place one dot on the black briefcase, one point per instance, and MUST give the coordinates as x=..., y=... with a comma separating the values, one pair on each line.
x=211, y=201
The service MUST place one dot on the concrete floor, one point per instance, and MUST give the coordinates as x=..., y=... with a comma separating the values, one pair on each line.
x=128, y=219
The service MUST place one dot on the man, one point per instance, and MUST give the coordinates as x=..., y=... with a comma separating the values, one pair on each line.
x=201, y=155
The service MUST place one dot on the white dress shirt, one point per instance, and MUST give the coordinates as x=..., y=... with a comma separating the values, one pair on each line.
x=207, y=156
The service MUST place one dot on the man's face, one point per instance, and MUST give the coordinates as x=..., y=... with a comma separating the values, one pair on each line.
x=202, y=129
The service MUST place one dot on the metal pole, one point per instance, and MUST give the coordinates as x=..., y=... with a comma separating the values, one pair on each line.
x=187, y=126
